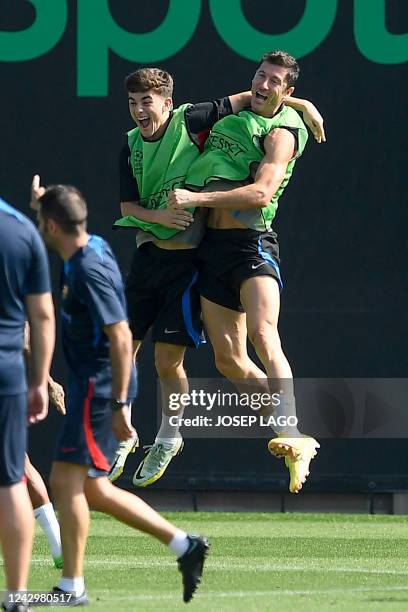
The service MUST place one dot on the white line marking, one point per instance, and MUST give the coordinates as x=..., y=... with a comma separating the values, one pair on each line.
x=215, y=564
x=275, y=593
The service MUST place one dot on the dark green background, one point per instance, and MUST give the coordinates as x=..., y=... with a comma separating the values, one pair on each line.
x=342, y=221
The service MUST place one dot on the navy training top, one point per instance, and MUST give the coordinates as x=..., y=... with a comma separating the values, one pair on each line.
x=24, y=270
x=92, y=296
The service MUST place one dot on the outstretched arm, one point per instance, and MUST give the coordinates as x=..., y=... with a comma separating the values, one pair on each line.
x=240, y=101
x=311, y=116
x=279, y=146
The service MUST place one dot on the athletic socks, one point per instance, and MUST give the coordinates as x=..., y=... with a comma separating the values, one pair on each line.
x=179, y=544
x=283, y=411
x=168, y=433
x=72, y=585
x=284, y=414
x=47, y=520
x=168, y=443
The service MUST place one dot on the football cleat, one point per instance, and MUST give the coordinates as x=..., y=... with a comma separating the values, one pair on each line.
x=16, y=607
x=191, y=565
x=124, y=449
x=153, y=466
x=298, y=453
x=58, y=562
x=68, y=598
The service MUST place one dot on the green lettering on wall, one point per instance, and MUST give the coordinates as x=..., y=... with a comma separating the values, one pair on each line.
x=243, y=38
x=98, y=32
x=40, y=37
x=373, y=39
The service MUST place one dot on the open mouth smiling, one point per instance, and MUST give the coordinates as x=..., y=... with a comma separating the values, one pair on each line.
x=260, y=97
x=143, y=122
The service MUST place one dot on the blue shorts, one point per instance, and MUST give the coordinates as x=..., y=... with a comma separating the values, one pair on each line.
x=87, y=437
x=13, y=438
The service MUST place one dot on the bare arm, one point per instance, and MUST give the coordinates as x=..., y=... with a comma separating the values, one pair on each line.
x=311, y=116
x=179, y=219
x=120, y=339
x=55, y=390
x=135, y=210
x=40, y=312
x=240, y=101
x=279, y=146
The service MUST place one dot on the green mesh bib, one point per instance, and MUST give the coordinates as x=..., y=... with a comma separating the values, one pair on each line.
x=159, y=167
x=234, y=150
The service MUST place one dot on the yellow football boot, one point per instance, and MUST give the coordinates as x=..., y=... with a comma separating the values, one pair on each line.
x=298, y=453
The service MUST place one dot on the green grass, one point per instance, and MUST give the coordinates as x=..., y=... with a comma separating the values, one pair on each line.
x=306, y=562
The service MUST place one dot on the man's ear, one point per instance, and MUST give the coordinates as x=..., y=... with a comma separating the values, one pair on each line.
x=168, y=104
x=289, y=91
x=52, y=227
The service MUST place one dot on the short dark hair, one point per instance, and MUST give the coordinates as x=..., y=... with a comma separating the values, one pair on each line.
x=65, y=205
x=146, y=79
x=281, y=58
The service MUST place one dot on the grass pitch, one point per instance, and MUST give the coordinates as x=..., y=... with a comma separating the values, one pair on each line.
x=258, y=561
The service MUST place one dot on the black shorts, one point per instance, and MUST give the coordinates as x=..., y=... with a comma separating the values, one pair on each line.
x=87, y=437
x=228, y=257
x=13, y=438
x=161, y=293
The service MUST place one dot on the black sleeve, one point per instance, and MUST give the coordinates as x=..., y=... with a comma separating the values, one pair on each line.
x=200, y=118
x=128, y=189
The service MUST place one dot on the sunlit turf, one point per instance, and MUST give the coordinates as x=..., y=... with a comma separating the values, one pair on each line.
x=258, y=561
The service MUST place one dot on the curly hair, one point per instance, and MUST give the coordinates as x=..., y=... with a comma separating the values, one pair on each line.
x=146, y=79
